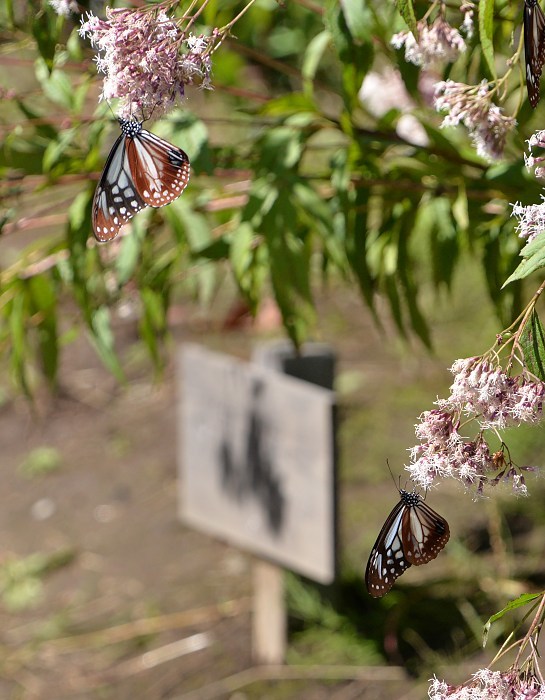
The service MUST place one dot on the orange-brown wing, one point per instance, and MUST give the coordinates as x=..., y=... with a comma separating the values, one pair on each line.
x=424, y=534
x=159, y=170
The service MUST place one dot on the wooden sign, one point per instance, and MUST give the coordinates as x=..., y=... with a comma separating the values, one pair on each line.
x=256, y=460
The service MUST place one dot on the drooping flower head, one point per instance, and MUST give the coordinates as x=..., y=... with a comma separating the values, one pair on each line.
x=471, y=105
x=531, y=218
x=486, y=395
x=147, y=59
x=436, y=42
x=64, y=8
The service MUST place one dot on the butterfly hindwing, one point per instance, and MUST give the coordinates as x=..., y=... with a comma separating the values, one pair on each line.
x=534, y=47
x=141, y=170
x=160, y=170
x=412, y=534
x=424, y=533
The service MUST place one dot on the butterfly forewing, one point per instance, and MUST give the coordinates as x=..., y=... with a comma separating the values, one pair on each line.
x=387, y=560
x=534, y=47
x=116, y=200
x=412, y=534
x=141, y=170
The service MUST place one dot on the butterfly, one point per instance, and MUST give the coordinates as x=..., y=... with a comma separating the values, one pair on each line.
x=142, y=170
x=412, y=534
x=534, y=47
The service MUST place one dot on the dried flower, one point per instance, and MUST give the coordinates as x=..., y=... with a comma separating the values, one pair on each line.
x=64, y=7
x=436, y=42
x=471, y=106
x=147, y=58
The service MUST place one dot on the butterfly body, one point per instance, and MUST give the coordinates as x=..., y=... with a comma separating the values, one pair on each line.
x=534, y=47
x=142, y=170
x=412, y=534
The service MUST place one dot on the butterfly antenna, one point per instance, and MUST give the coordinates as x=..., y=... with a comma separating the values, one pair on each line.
x=398, y=486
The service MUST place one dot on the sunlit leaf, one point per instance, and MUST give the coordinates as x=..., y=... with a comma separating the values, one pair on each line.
x=313, y=55
x=486, y=33
x=534, y=259
x=532, y=341
x=406, y=10
x=524, y=599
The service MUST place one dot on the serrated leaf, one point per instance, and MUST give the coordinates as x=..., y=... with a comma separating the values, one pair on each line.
x=532, y=341
x=534, y=259
x=524, y=599
x=406, y=10
x=486, y=33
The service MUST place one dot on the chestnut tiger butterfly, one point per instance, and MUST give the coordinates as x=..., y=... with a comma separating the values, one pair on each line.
x=142, y=170
x=412, y=534
x=534, y=47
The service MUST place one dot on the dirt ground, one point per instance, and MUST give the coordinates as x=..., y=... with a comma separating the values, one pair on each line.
x=139, y=606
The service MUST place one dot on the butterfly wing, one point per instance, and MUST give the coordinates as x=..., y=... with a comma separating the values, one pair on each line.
x=116, y=199
x=534, y=47
x=159, y=169
x=387, y=560
x=424, y=533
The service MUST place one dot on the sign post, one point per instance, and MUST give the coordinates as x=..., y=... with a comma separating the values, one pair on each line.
x=257, y=469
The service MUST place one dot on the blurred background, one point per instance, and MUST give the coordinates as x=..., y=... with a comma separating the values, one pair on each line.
x=309, y=215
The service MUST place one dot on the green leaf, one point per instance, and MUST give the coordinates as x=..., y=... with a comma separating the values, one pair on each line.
x=524, y=599
x=311, y=60
x=285, y=105
x=534, y=259
x=444, y=240
x=153, y=322
x=532, y=341
x=59, y=89
x=43, y=303
x=358, y=18
x=406, y=10
x=486, y=33
x=102, y=338
x=45, y=34
x=356, y=57
x=17, y=324
x=241, y=251
x=56, y=149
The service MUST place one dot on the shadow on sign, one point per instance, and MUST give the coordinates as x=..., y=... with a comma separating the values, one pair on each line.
x=252, y=475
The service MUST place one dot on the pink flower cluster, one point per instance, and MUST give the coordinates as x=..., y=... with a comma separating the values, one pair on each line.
x=64, y=8
x=147, y=59
x=531, y=218
x=471, y=106
x=444, y=453
x=486, y=394
x=490, y=685
x=436, y=42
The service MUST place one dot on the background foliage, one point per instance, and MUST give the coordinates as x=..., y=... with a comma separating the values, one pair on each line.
x=296, y=179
